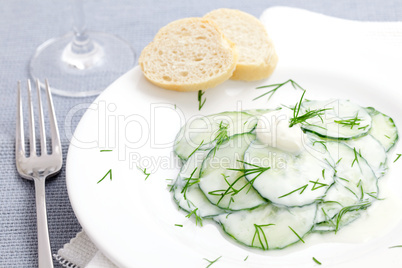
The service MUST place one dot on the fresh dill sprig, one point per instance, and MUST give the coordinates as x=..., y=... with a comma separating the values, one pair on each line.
x=189, y=182
x=301, y=189
x=399, y=155
x=200, y=101
x=355, y=121
x=109, y=172
x=296, y=234
x=316, y=261
x=296, y=119
x=320, y=184
x=198, y=147
x=245, y=172
x=356, y=159
x=276, y=87
x=262, y=238
x=212, y=262
x=145, y=172
x=222, y=135
x=344, y=210
x=198, y=219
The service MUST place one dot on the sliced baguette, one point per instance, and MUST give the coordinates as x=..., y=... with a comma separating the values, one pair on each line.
x=188, y=55
x=257, y=56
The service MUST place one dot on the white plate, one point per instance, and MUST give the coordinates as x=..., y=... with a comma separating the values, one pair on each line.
x=132, y=220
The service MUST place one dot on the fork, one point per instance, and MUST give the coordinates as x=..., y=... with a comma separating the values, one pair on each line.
x=38, y=167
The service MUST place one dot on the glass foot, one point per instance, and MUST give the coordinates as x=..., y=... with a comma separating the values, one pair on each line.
x=81, y=75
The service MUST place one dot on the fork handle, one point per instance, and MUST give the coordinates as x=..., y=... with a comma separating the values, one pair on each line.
x=44, y=252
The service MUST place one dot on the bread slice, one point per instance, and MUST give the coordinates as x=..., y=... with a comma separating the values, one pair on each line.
x=188, y=55
x=257, y=56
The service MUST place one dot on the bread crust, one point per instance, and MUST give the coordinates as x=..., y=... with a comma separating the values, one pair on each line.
x=257, y=55
x=170, y=60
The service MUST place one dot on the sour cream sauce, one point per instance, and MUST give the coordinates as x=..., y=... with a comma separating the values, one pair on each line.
x=273, y=130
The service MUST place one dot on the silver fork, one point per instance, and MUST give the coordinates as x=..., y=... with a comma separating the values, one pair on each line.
x=38, y=167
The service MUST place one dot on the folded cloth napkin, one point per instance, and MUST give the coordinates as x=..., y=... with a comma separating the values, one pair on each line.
x=287, y=27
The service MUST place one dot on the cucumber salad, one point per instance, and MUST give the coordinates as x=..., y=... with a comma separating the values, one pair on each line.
x=271, y=177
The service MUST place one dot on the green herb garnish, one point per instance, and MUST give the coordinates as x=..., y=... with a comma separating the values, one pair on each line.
x=301, y=189
x=355, y=121
x=198, y=219
x=189, y=182
x=399, y=155
x=179, y=225
x=200, y=101
x=296, y=234
x=212, y=262
x=356, y=159
x=344, y=210
x=397, y=246
x=105, y=151
x=259, y=233
x=276, y=87
x=145, y=172
x=316, y=261
x=298, y=119
x=109, y=172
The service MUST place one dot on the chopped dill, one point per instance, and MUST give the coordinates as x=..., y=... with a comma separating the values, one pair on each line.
x=198, y=219
x=320, y=184
x=262, y=238
x=296, y=119
x=198, y=147
x=397, y=246
x=399, y=155
x=145, y=172
x=200, y=101
x=276, y=87
x=106, y=151
x=189, y=182
x=316, y=261
x=344, y=210
x=301, y=189
x=296, y=234
x=356, y=159
x=246, y=171
x=355, y=121
x=222, y=135
x=109, y=172
x=212, y=262
x=179, y=225
x=246, y=258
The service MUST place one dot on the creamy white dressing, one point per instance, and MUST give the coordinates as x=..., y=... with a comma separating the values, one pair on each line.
x=273, y=130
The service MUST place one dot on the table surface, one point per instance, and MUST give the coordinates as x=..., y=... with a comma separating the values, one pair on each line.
x=24, y=25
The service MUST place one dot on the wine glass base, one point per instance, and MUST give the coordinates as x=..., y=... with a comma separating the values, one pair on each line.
x=66, y=78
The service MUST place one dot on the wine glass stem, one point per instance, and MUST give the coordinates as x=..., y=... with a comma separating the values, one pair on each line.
x=82, y=43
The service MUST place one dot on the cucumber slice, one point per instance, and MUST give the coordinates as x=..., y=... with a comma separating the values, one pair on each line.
x=371, y=150
x=222, y=180
x=353, y=170
x=268, y=226
x=338, y=208
x=186, y=192
x=342, y=120
x=292, y=180
x=383, y=129
x=203, y=132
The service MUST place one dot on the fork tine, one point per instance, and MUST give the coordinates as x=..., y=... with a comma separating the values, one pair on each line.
x=56, y=146
x=32, y=138
x=41, y=121
x=19, y=141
